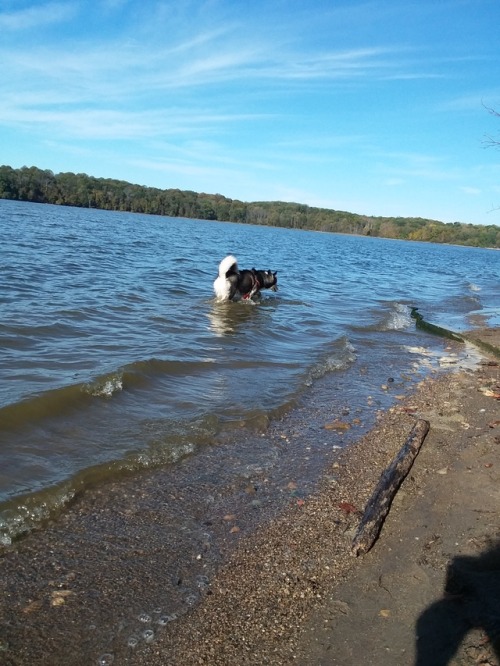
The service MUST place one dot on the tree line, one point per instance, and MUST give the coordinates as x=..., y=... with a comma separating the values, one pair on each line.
x=70, y=189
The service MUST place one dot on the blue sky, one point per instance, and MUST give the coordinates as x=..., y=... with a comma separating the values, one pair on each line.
x=370, y=107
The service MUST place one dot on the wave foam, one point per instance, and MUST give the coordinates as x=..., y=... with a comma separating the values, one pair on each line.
x=105, y=387
x=341, y=358
x=398, y=318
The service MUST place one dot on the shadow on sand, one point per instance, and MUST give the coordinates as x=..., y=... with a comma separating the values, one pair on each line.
x=471, y=600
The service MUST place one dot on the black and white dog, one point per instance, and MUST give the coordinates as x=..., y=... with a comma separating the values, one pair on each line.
x=234, y=283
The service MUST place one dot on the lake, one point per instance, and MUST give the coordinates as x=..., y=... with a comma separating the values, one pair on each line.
x=116, y=357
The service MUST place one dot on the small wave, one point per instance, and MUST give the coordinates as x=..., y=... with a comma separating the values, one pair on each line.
x=22, y=514
x=138, y=371
x=474, y=287
x=389, y=316
x=397, y=319
x=106, y=386
x=342, y=356
x=46, y=405
x=56, y=402
x=79, y=396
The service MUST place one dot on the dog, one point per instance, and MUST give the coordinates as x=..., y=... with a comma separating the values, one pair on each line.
x=233, y=283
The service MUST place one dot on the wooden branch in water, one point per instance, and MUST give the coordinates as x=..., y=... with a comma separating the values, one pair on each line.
x=380, y=502
x=420, y=322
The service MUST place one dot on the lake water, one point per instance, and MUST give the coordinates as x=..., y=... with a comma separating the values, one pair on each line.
x=116, y=358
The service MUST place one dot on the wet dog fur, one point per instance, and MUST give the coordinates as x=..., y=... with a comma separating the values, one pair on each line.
x=234, y=284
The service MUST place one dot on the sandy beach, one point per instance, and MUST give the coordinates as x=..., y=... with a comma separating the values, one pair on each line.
x=288, y=591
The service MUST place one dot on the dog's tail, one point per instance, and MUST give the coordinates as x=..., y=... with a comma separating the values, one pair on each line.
x=228, y=265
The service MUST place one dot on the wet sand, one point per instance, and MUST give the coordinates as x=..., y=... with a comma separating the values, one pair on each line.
x=100, y=587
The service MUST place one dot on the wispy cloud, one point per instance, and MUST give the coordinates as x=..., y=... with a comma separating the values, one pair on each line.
x=36, y=17
x=473, y=101
x=397, y=166
x=115, y=124
x=80, y=87
x=330, y=65
x=155, y=68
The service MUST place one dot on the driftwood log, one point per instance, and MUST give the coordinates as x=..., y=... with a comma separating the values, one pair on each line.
x=379, y=504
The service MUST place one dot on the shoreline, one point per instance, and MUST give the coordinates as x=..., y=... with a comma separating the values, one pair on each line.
x=287, y=592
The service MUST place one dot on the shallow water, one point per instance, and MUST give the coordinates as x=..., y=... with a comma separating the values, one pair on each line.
x=115, y=356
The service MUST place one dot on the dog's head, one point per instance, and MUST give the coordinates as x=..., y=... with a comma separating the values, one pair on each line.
x=268, y=280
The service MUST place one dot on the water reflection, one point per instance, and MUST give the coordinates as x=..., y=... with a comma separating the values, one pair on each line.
x=228, y=318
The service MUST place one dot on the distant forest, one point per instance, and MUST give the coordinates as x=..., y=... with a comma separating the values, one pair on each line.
x=69, y=189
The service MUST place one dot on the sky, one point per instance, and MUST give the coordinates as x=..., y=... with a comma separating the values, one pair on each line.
x=376, y=107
